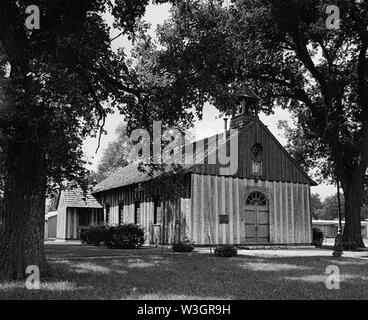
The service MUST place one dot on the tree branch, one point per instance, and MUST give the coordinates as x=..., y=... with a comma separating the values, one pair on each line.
x=305, y=58
x=362, y=77
x=116, y=37
x=296, y=93
x=270, y=79
x=117, y=84
x=325, y=52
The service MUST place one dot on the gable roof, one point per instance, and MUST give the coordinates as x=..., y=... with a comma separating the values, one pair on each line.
x=278, y=164
x=132, y=175
x=125, y=176
x=309, y=179
x=74, y=197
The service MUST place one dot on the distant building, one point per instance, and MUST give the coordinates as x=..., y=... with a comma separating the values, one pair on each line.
x=330, y=227
x=50, y=225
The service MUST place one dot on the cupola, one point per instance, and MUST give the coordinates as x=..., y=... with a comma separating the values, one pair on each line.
x=246, y=109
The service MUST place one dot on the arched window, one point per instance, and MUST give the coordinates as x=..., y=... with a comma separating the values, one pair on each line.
x=256, y=198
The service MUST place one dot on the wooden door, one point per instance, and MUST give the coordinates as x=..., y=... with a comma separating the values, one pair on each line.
x=256, y=218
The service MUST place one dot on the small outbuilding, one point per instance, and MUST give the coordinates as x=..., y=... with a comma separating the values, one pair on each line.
x=76, y=209
x=50, y=225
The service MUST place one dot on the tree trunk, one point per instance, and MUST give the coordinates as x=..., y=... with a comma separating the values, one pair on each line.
x=352, y=236
x=23, y=217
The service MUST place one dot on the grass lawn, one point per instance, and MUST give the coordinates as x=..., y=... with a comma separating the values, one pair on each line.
x=98, y=273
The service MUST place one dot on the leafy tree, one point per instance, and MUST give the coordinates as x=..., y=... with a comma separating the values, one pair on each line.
x=283, y=50
x=52, y=201
x=330, y=208
x=54, y=84
x=316, y=206
x=115, y=156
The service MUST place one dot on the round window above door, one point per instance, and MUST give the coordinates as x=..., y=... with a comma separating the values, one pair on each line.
x=256, y=198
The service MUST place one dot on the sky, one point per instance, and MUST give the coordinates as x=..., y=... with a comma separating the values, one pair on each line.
x=211, y=122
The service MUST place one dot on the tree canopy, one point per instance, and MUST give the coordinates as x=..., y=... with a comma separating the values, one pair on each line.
x=283, y=50
x=57, y=85
x=115, y=155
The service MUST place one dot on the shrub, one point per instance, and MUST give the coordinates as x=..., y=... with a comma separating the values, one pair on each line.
x=93, y=234
x=183, y=246
x=226, y=251
x=338, y=246
x=127, y=236
x=317, y=237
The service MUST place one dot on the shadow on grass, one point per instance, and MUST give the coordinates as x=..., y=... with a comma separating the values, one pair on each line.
x=146, y=274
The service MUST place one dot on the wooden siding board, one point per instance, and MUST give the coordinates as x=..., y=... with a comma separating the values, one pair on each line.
x=231, y=211
x=276, y=212
x=195, y=211
x=210, y=220
x=237, y=204
x=286, y=213
x=223, y=208
x=281, y=213
x=216, y=209
x=309, y=224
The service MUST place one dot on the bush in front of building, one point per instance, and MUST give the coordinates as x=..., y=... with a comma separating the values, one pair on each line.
x=226, y=250
x=93, y=234
x=183, y=246
x=317, y=237
x=126, y=236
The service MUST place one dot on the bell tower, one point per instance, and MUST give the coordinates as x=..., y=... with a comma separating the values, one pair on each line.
x=246, y=109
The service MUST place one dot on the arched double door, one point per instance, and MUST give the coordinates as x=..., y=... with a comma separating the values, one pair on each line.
x=256, y=218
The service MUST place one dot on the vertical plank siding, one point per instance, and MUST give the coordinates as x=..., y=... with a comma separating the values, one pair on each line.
x=176, y=222
x=61, y=224
x=198, y=217
x=289, y=210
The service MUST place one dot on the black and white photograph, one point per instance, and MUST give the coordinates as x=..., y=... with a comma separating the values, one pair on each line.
x=183, y=155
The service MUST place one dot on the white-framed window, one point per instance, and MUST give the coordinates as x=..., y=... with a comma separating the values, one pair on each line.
x=256, y=167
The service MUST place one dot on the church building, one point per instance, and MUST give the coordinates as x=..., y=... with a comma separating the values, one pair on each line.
x=266, y=200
